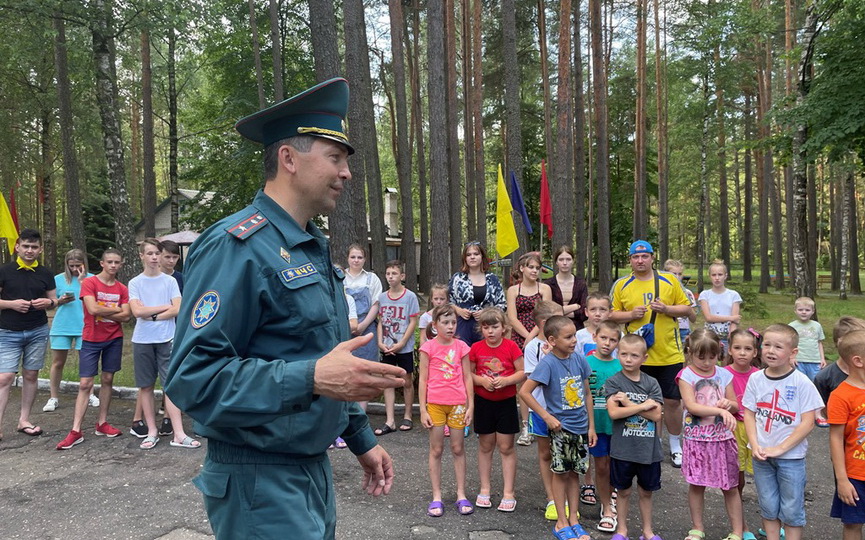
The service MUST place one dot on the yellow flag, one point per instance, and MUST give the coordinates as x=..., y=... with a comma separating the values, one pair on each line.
x=506, y=233
x=7, y=226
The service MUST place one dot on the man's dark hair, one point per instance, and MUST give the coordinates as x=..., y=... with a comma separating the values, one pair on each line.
x=30, y=235
x=170, y=246
x=301, y=143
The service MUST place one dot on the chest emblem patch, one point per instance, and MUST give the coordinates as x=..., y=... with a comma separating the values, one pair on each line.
x=285, y=255
x=205, y=309
x=290, y=274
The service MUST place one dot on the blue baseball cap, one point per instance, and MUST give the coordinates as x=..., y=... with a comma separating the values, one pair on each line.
x=640, y=246
x=318, y=111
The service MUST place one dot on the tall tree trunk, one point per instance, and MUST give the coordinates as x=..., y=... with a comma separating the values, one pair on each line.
x=660, y=96
x=362, y=118
x=417, y=122
x=723, y=192
x=106, y=98
x=173, y=140
x=590, y=171
x=641, y=198
x=562, y=188
x=453, y=155
x=747, y=252
x=75, y=217
x=853, y=239
x=256, y=53
x=403, y=150
x=835, y=188
x=513, y=124
x=325, y=44
x=599, y=84
x=472, y=181
x=583, y=231
x=702, y=213
x=49, y=209
x=545, y=85
x=798, y=214
x=789, y=187
x=478, y=121
x=813, y=234
x=278, y=92
x=846, y=191
x=772, y=187
x=148, y=142
x=439, y=194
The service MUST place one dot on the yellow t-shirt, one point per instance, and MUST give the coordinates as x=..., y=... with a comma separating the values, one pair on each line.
x=630, y=292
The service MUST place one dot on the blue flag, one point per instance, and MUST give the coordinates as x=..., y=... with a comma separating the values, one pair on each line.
x=517, y=202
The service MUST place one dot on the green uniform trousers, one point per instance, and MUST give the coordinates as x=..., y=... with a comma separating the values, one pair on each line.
x=268, y=496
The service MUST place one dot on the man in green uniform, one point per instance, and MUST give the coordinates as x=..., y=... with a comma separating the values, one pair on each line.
x=261, y=359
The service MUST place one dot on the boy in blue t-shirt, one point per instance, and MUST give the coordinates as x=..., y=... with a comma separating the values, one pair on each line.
x=564, y=376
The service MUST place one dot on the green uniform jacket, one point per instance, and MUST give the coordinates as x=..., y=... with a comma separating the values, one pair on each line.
x=262, y=304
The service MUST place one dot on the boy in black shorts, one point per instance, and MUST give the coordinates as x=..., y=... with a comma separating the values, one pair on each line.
x=398, y=314
x=635, y=403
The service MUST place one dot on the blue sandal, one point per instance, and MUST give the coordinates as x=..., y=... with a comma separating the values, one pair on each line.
x=580, y=532
x=565, y=533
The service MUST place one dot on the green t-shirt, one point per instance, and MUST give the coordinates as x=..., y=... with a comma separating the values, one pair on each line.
x=601, y=371
x=810, y=336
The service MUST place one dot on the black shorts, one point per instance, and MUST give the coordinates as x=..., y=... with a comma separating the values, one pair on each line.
x=403, y=360
x=666, y=377
x=622, y=474
x=496, y=416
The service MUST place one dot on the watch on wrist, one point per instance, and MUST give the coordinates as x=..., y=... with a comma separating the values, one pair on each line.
x=153, y=317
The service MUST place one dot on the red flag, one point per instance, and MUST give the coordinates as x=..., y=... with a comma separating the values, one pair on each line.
x=13, y=210
x=546, y=205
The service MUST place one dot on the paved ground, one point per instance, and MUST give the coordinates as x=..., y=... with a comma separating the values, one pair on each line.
x=108, y=488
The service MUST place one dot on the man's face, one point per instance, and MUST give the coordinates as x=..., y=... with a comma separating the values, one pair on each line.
x=641, y=263
x=150, y=256
x=28, y=250
x=320, y=175
x=111, y=263
x=169, y=261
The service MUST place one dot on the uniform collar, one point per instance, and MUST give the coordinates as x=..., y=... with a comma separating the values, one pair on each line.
x=294, y=234
x=24, y=266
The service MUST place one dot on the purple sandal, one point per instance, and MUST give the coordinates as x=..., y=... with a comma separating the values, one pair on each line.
x=435, y=505
x=464, y=507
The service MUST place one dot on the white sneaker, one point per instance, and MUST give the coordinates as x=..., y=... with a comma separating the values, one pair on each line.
x=51, y=405
x=93, y=401
x=676, y=458
x=525, y=439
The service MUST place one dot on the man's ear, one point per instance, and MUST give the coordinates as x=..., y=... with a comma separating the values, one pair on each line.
x=287, y=158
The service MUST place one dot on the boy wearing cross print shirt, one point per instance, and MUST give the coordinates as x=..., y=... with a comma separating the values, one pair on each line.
x=780, y=404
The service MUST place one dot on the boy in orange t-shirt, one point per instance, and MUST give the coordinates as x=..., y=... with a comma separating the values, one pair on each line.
x=846, y=415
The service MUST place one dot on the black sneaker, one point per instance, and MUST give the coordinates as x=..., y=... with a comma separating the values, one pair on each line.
x=166, y=429
x=139, y=429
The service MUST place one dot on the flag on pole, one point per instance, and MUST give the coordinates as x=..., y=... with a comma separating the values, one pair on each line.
x=14, y=210
x=8, y=229
x=546, y=204
x=506, y=233
x=517, y=202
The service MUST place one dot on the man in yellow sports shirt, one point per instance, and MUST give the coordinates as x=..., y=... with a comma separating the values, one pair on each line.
x=650, y=296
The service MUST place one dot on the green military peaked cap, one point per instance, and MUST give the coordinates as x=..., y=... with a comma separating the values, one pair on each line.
x=318, y=111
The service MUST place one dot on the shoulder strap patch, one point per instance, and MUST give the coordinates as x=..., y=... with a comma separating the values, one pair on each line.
x=246, y=227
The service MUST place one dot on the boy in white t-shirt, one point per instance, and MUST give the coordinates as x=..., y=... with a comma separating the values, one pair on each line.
x=598, y=309
x=155, y=300
x=780, y=405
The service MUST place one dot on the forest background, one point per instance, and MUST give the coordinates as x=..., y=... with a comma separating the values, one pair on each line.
x=716, y=129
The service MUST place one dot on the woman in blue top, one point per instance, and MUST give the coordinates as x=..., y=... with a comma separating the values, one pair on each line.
x=472, y=289
x=68, y=322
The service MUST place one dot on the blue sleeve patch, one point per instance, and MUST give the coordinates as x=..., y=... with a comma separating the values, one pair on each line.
x=290, y=274
x=205, y=309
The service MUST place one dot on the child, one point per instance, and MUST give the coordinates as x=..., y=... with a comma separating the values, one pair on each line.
x=523, y=295
x=831, y=376
x=398, y=312
x=564, y=376
x=597, y=311
x=810, y=359
x=603, y=366
x=780, y=403
x=720, y=305
x=635, y=404
x=677, y=269
x=170, y=256
x=709, y=452
x=438, y=296
x=744, y=354
x=365, y=288
x=446, y=397
x=536, y=349
x=497, y=367
x=846, y=416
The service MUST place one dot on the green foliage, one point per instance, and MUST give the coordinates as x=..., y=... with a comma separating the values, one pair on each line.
x=753, y=305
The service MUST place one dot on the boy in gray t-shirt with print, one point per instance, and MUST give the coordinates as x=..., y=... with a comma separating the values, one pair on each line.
x=634, y=402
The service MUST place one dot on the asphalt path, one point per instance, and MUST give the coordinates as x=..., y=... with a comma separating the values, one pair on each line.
x=109, y=488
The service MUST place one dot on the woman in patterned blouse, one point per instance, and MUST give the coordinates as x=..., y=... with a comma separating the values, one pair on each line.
x=473, y=288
